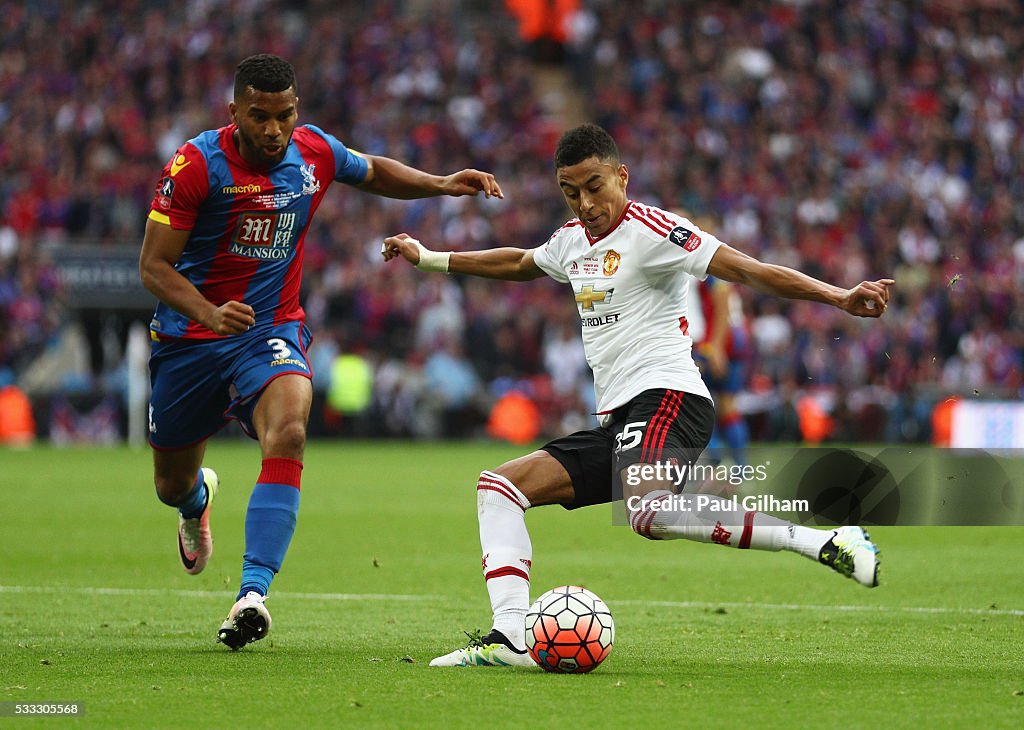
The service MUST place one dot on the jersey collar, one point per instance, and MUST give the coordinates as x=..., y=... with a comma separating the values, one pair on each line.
x=593, y=241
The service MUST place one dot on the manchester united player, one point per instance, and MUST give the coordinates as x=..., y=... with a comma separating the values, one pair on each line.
x=629, y=266
x=223, y=254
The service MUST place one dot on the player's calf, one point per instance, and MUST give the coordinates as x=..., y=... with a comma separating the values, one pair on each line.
x=662, y=515
x=506, y=552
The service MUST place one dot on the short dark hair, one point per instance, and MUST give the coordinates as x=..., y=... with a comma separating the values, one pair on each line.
x=583, y=142
x=264, y=72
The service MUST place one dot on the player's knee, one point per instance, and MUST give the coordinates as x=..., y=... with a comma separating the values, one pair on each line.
x=286, y=439
x=644, y=510
x=540, y=478
x=497, y=489
x=172, y=488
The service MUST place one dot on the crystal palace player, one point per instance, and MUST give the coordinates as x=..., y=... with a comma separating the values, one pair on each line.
x=629, y=266
x=223, y=254
x=718, y=330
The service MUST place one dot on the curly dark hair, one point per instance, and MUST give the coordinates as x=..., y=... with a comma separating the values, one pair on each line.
x=264, y=72
x=584, y=141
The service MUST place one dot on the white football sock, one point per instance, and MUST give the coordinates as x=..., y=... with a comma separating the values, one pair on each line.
x=507, y=553
x=662, y=515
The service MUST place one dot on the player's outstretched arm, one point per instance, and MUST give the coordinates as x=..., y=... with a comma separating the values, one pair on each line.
x=867, y=299
x=161, y=249
x=510, y=264
x=394, y=179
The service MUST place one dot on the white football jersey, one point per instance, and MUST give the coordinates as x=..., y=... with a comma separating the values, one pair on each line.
x=698, y=325
x=631, y=287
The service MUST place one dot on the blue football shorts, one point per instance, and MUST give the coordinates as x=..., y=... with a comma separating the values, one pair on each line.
x=198, y=386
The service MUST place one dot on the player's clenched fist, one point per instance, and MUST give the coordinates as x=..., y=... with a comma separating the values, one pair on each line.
x=415, y=253
x=868, y=299
x=402, y=245
x=231, y=318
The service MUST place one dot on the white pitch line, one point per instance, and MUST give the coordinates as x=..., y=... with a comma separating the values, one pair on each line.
x=220, y=595
x=839, y=608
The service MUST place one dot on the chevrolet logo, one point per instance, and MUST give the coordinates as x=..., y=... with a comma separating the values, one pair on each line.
x=588, y=296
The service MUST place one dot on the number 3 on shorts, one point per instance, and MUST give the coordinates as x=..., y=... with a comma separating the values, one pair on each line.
x=280, y=348
x=630, y=436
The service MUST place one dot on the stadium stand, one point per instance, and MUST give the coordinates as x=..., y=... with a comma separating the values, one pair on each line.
x=850, y=139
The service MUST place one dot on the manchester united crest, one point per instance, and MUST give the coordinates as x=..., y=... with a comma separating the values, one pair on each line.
x=611, y=262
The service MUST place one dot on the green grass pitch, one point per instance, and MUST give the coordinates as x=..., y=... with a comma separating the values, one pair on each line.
x=383, y=574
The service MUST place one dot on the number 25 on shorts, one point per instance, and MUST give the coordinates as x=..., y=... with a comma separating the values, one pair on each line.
x=630, y=436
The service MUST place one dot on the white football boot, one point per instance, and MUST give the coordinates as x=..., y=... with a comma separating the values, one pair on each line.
x=248, y=621
x=852, y=554
x=492, y=650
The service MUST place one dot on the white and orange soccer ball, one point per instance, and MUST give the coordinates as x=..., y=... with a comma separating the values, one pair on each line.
x=569, y=630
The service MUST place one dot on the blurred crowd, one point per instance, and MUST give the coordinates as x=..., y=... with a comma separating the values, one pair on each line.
x=852, y=140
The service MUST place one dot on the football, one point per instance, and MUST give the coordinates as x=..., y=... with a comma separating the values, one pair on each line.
x=569, y=630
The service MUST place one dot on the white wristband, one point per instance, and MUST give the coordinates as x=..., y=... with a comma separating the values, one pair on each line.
x=432, y=260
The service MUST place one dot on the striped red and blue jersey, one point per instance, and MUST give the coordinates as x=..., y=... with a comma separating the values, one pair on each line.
x=247, y=224
x=738, y=336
